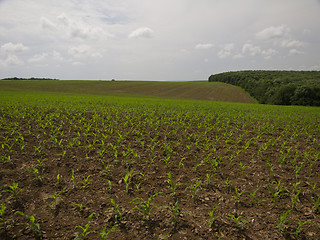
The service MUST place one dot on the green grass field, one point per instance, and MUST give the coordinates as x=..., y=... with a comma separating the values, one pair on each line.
x=81, y=160
x=186, y=90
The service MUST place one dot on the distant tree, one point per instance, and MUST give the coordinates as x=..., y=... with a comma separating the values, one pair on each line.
x=276, y=87
x=283, y=95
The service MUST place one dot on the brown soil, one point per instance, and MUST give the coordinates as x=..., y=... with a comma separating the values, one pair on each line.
x=134, y=144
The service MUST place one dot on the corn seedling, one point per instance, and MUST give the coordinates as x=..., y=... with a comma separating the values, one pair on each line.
x=103, y=234
x=282, y=221
x=116, y=210
x=55, y=198
x=212, y=216
x=238, y=194
x=85, y=181
x=175, y=212
x=36, y=173
x=35, y=227
x=313, y=188
x=242, y=167
x=194, y=187
x=295, y=195
x=297, y=170
x=209, y=175
x=106, y=169
x=73, y=179
x=5, y=222
x=295, y=199
x=227, y=183
x=300, y=226
x=5, y=159
x=40, y=162
x=13, y=189
x=144, y=206
x=316, y=203
x=58, y=180
x=161, y=237
x=270, y=167
x=166, y=160
x=128, y=178
x=277, y=192
x=85, y=230
x=172, y=184
x=252, y=196
x=181, y=163
x=238, y=221
x=109, y=184
x=80, y=207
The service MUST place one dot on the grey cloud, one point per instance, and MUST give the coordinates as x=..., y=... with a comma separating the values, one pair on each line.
x=47, y=24
x=13, y=48
x=251, y=49
x=83, y=51
x=132, y=36
x=12, y=60
x=273, y=32
x=38, y=57
x=292, y=43
x=268, y=54
x=143, y=32
x=204, y=46
x=226, y=50
x=295, y=52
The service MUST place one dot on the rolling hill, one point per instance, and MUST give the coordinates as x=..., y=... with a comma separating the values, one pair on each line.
x=199, y=90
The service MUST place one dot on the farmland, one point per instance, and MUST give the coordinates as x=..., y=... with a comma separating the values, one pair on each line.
x=186, y=90
x=100, y=166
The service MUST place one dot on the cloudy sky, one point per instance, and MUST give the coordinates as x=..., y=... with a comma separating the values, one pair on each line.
x=156, y=39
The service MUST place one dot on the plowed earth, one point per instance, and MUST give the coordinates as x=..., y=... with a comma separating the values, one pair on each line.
x=244, y=164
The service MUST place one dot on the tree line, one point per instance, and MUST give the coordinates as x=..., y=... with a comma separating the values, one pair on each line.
x=17, y=79
x=276, y=87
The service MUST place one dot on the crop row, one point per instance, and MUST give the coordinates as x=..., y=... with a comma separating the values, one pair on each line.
x=83, y=166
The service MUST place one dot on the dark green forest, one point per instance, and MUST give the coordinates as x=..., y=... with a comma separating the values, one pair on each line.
x=276, y=87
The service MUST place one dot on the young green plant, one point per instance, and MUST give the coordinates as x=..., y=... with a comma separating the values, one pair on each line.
x=144, y=206
x=35, y=227
x=85, y=230
x=194, y=187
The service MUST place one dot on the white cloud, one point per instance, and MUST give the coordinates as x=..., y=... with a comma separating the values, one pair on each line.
x=13, y=48
x=238, y=56
x=292, y=43
x=44, y=57
x=281, y=37
x=57, y=56
x=77, y=63
x=268, y=54
x=64, y=19
x=204, y=46
x=295, y=52
x=83, y=51
x=39, y=57
x=12, y=60
x=273, y=32
x=143, y=32
x=226, y=50
x=47, y=24
x=251, y=49
x=77, y=28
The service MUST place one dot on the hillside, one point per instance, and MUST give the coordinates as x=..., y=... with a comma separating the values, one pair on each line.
x=185, y=90
x=276, y=87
